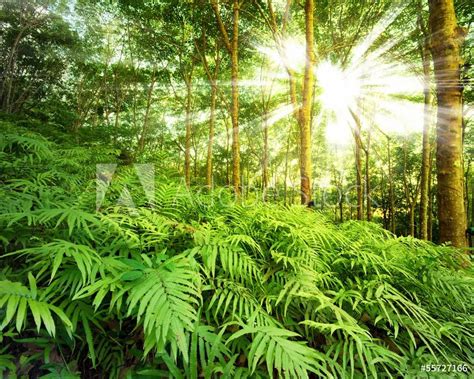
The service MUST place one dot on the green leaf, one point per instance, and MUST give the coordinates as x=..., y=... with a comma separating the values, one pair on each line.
x=130, y=276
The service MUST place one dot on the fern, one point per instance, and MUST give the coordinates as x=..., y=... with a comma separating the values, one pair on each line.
x=195, y=285
x=18, y=300
x=274, y=346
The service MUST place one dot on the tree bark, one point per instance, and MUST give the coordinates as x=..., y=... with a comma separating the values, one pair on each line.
x=430, y=205
x=287, y=154
x=390, y=189
x=446, y=41
x=367, y=180
x=187, y=143
x=426, y=145
x=410, y=196
x=305, y=115
x=358, y=165
x=265, y=157
x=212, y=121
x=358, y=162
x=266, y=97
x=232, y=47
x=141, y=143
x=235, y=100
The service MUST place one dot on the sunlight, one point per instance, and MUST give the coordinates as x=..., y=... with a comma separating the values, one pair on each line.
x=369, y=83
x=373, y=86
x=293, y=51
x=340, y=90
x=279, y=113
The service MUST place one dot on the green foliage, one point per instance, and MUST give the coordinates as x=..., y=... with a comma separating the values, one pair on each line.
x=199, y=286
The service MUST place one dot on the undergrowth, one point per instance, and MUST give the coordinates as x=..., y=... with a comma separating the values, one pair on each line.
x=188, y=285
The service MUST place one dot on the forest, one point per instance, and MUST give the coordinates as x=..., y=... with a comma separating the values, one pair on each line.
x=236, y=189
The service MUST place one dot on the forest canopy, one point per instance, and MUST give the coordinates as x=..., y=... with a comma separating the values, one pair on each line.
x=236, y=189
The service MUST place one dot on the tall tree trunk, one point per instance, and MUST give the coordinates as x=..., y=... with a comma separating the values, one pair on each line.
x=367, y=180
x=287, y=154
x=411, y=218
x=430, y=206
x=266, y=97
x=235, y=100
x=141, y=142
x=212, y=121
x=227, y=149
x=341, y=209
x=472, y=201
x=9, y=70
x=232, y=46
x=187, y=143
x=446, y=39
x=358, y=165
x=358, y=162
x=426, y=146
x=265, y=157
x=390, y=189
x=305, y=115
x=410, y=196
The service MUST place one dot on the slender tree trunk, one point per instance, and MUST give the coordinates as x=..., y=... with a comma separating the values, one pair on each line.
x=385, y=206
x=287, y=154
x=232, y=46
x=341, y=209
x=472, y=201
x=10, y=69
x=305, y=116
x=446, y=39
x=235, y=100
x=367, y=180
x=212, y=121
x=390, y=189
x=358, y=165
x=426, y=146
x=411, y=214
x=118, y=103
x=265, y=157
x=227, y=149
x=187, y=143
x=430, y=207
x=196, y=160
x=141, y=143
x=409, y=197
x=265, y=154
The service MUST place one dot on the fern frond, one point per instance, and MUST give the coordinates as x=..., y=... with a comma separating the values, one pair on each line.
x=17, y=299
x=291, y=359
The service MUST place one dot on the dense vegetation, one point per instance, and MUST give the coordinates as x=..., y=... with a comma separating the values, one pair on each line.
x=236, y=189
x=193, y=285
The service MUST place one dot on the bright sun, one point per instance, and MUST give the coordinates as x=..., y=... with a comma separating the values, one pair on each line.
x=340, y=94
x=340, y=90
x=374, y=88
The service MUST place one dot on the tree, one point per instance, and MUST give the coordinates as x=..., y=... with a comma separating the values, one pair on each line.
x=446, y=39
x=424, y=47
x=305, y=115
x=33, y=44
x=356, y=132
x=212, y=75
x=232, y=46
